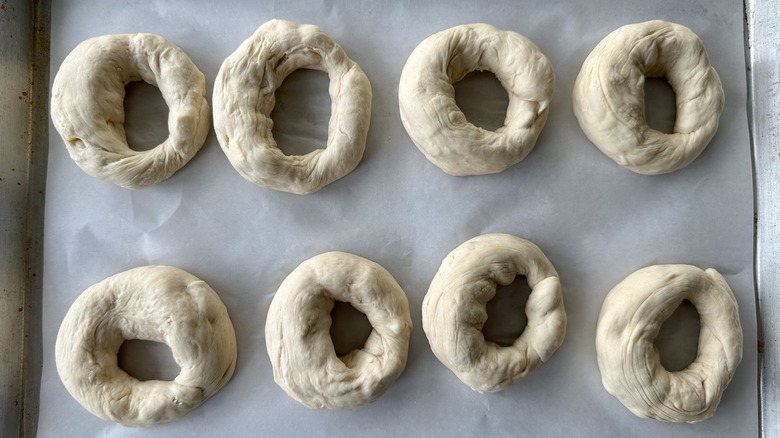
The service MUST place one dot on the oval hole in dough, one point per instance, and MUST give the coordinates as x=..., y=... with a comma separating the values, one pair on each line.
x=678, y=338
x=302, y=112
x=349, y=328
x=146, y=116
x=482, y=99
x=660, y=105
x=147, y=360
x=506, y=312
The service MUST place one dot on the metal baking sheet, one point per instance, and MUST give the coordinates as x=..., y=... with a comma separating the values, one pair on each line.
x=399, y=250
x=762, y=28
x=24, y=125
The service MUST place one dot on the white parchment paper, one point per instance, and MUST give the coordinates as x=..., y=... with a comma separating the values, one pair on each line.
x=596, y=221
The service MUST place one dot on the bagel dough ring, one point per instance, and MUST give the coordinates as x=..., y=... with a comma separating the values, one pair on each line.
x=431, y=115
x=244, y=98
x=297, y=332
x=87, y=107
x=453, y=311
x=630, y=319
x=609, y=96
x=153, y=303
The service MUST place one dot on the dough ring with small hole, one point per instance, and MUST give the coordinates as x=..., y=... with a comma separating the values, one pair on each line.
x=431, y=115
x=609, y=96
x=297, y=332
x=244, y=98
x=87, y=107
x=154, y=303
x=454, y=311
x=630, y=319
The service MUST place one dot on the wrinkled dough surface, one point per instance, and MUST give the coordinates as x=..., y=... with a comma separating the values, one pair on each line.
x=439, y=128
x=609, y=96
x=632, y=315
x=87, y=107
x=454, y=311
x=297, y=332
x=244, y=98
x=153, y=303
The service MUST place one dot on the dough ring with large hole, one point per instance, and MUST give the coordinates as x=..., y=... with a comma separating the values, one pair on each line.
x=87, y=107
x=244, y=98
x=297, y=332
x=630, y=319
x=153, y=303
x=431, y=115
x=609, y=96
x=454, y=311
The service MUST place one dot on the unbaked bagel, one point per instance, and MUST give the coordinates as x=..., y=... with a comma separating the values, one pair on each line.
x=431, y=115
x=630, y=319
x=87, y=107
x=454, y=311
x=153, y=303
x=244, y=98
x=609, y=96
x=298, y=339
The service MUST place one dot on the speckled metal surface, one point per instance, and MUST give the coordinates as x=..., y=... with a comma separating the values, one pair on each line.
x=763, y=63
x=24, y=67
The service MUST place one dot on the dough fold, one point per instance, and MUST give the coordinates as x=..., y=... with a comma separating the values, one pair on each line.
x=609, y=96
x=632, y=315
x=454, y=311
x=87, y=107
x=244, y=98
x=431, y=115
x=153, y=303
x=297, y=332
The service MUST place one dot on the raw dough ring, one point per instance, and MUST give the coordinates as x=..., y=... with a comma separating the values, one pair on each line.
x=630, y=319
x=298, y=338
x=87, y=107
x=453, y=311
x=609, y=96
x=432, y=117
x=154, y=303
x=244, y=98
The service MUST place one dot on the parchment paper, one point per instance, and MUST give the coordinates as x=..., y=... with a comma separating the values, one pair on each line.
x=596, y=221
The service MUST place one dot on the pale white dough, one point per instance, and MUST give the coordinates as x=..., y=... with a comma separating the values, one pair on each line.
x=153, y=303
x=609, y=96
x=630, y=319
x=454, y=311
x=87, y=107
x=244, y=98
x=438, y=127
x=297, y=332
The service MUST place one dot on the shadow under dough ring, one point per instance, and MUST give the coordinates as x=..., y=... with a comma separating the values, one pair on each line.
x=454, y=311
x=297, y=332
x=439, y=128
x=609, y=96
x=153, y=303
x=87, y=107
x=632, y=315
x=244, y=98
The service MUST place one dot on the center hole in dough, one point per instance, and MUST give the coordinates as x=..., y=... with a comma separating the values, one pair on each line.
x=482, y=99
x=147, y=360
x=660, y=105
x=302, y=112
x=146, y=116
x=678, y=338
x=506, y=317
x=349, y=328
